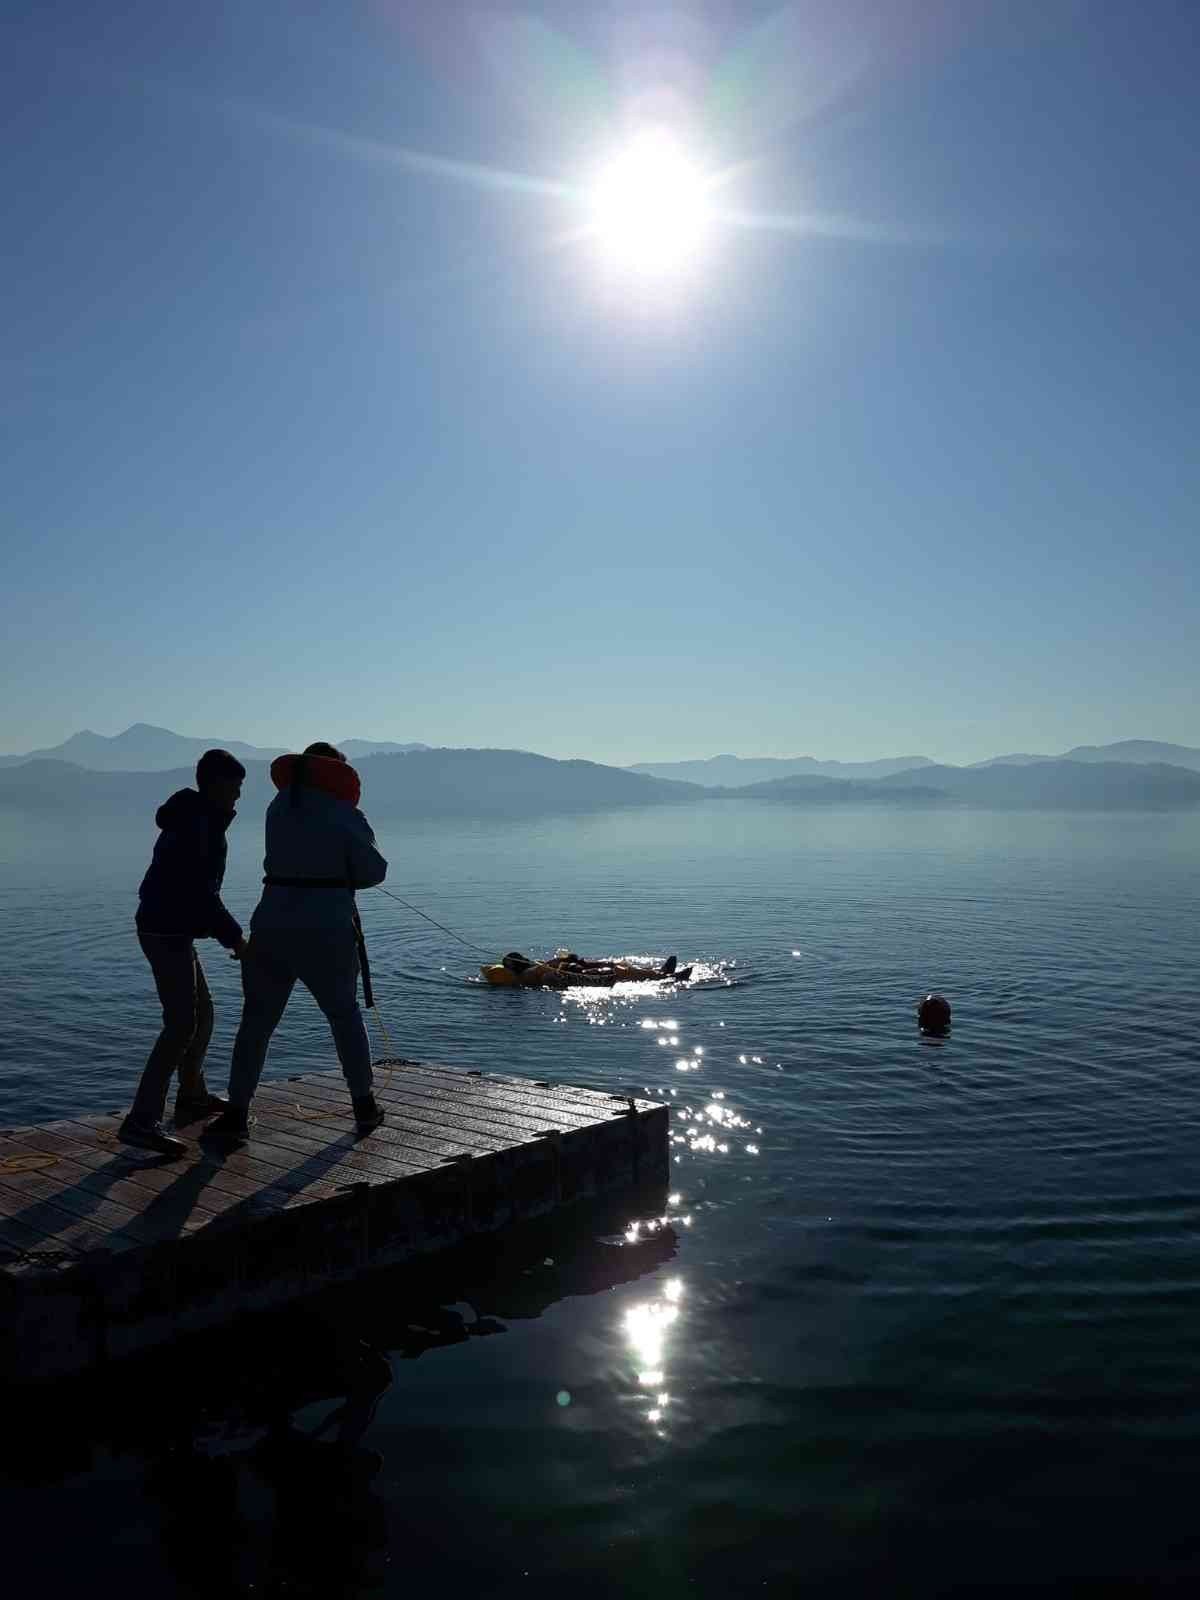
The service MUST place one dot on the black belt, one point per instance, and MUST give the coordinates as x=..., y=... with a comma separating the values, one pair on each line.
x=272, y=882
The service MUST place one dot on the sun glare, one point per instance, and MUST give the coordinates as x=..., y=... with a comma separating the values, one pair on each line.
x=648, y=209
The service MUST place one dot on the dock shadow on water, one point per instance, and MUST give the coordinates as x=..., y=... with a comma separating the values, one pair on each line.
x=254, y=1460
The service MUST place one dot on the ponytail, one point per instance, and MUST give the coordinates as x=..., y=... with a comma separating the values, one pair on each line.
x=299, y=774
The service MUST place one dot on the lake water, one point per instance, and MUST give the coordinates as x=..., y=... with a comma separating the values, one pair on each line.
x=930, y=1320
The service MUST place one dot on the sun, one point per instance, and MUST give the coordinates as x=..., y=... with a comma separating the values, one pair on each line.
x=648, y=208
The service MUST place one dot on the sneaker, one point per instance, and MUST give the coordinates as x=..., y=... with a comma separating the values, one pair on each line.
x=150, y=1136
x=191, y=1108
x=233, y=1125
x=368, y=1113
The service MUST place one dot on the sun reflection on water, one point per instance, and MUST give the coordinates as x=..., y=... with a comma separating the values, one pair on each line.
x=647, y=1327
x=707, y=1124
x=714, y=1124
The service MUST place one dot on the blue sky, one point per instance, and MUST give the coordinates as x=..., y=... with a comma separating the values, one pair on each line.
x=307, y=436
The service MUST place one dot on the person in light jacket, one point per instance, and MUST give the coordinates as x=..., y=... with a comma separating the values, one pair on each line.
x=319, y=850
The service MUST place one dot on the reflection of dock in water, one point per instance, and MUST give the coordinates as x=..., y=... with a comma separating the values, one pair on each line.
x=103, y=1253
x=271, y=1445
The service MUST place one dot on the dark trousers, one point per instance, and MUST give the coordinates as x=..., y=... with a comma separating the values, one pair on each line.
x=187, y=1026
x=325, y=961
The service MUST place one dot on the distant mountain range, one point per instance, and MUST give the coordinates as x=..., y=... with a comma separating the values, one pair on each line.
x=737, y=772
x=512, y=784
x=145, y=748
x=1134, y=752
x=1038, y=786
x=417, y=783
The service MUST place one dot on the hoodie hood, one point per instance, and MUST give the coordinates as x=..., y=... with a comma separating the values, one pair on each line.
x=187, y=806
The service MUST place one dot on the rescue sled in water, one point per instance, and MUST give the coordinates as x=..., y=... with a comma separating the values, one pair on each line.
x=569, y=971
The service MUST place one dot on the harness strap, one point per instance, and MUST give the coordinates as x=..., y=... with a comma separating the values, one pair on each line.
x=364, y=964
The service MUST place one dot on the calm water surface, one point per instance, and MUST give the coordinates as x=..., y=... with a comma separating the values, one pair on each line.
x=929, y=1320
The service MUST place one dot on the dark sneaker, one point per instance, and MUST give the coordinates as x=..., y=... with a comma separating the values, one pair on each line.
x=232, y=1126
x=368, y=1113
x=191, y=1108
x=150, y=1136
x=669, y=965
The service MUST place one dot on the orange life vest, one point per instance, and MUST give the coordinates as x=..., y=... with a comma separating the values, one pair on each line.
x=337, y=778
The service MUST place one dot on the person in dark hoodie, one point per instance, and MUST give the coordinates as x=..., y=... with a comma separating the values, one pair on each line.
x=179, y=902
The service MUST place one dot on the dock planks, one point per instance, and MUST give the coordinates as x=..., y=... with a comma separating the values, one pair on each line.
x=105, y=1251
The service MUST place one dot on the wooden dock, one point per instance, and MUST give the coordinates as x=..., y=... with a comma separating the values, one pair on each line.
x=105, y=1251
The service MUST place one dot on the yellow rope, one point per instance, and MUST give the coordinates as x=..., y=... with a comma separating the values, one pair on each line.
x=387, y=1041
x=312, y=1114
x=31, y=1162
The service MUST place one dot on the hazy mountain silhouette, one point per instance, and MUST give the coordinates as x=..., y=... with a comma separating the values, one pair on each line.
x=145, y=748
x=1130, y=752
x=141, y=748
x=1059, y=785
x=505, y=783
x=1021, y=760
x=420, y=783
x=1141, y=752
x=512, y=783
x=362, y=749
x=62, y=789
x=726, y=771
x=735, y=772
x=804, y=789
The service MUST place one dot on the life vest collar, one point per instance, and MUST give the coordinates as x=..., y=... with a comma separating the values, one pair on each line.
x=337, y=778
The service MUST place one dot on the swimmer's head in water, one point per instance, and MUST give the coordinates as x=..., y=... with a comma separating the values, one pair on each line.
x=933, y=1014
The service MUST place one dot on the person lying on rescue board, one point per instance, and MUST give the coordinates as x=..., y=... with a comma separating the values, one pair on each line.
x=565, y=969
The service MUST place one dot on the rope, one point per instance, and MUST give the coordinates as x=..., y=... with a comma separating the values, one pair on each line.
x=387, y=1038
x=389, y=1062
x=370, y=1004
x=28, y=1161
x=469, y=944
x=416, y=909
